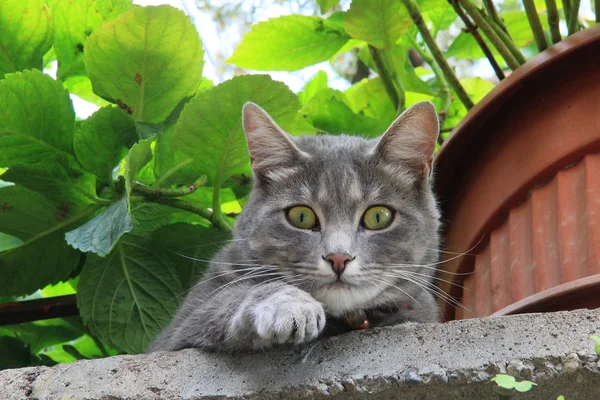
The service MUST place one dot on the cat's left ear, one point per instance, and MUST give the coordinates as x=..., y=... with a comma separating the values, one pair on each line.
x=270, y=147
x=410, y=140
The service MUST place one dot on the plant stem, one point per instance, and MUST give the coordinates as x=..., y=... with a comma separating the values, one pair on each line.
x=163, y=192
x=386, y=78
x=491, y=33
x=397, y=81
x=573, y=19
x=193, y=208
x=553, y=21
x=445, y=94
x=491, y=9
x=536, y=25
x=566, y=9
x=597, y=10
x=508, y=41
x=417, y=18
x=472, y=29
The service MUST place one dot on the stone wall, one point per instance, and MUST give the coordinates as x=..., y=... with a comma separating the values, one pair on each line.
x=430, y=361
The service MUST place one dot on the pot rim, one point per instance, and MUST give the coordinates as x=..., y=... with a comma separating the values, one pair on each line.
x=578, y=288
x=460, y=140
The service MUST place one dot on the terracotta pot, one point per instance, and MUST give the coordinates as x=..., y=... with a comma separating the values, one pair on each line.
x=519, y=188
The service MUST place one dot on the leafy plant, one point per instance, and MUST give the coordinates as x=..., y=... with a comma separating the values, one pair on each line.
x=130, y=204
x=597, y=340
x=508, y=384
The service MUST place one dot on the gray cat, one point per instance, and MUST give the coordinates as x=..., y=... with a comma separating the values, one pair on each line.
x=339, y=233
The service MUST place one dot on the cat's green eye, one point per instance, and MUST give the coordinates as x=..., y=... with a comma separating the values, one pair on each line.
x=377, y=217
x=302, y=217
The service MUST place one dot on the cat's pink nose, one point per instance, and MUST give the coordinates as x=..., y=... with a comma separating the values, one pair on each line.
x=338, y=262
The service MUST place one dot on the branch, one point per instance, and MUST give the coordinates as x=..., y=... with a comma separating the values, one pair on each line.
x=553, y=21
x=163, y=192
x=491, y=9
x=35, y=310
x=445, y=93
x=491, y=33
x=573, y=21
x=507, y=40
x=597, y=10
x=417, y=18
x=472, y=29
x=193, y=208
x=536, y=25
x=386, y=78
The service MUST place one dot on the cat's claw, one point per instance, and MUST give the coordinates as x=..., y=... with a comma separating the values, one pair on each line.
x=286, y=319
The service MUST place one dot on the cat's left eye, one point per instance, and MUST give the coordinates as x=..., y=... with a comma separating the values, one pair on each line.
x=377, y=217
x=302, y=217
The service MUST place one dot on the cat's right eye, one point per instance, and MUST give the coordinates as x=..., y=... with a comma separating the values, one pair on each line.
x=302, y=217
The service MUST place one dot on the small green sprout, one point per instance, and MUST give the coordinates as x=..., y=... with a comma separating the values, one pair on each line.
x=508, y=384
x=561, y=397
x=597, y=340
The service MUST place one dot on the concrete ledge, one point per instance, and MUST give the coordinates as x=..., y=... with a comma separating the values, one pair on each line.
x=430, y=361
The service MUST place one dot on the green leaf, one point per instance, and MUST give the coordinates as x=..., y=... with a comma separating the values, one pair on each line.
x=128, y=297
x=15, y=353
x=406, y=72
x=597, y=340
x=102, y=140
x=561, y=397
x=477, y=89
x=36, y=119
x=210, y=127
x=438, y=12
x=25, y=35
x=505, y=381
x=369, y=98
x=74, y=21
x=464, y=46
x=81, y=86
x=139, y=155
x=101, y=234
x=288, y=43
x=171, y=165
x=62, y=180
x=326, y=5
x=524, y=386
x=40, y=336
x=190, y=247
x=8, y=241
x=146, y=60
x=378, y=22
x=316, y=83
x=329, y=111
x=44, y=257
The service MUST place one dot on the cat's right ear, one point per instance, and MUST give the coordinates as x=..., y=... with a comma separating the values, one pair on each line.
x=270, y=147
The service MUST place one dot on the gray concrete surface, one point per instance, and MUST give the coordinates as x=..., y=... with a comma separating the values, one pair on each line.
x=455, y=360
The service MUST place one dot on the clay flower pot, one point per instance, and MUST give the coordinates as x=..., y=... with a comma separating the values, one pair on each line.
x=519, y=186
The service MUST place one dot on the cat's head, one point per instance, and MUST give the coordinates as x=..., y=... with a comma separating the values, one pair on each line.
x=350, y=220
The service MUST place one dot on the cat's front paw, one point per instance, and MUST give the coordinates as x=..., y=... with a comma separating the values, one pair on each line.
x=289, y=318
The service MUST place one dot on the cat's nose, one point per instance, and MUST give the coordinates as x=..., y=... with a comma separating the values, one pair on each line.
x=338, y=262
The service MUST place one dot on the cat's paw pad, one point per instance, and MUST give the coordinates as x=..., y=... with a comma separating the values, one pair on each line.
x=287, y=320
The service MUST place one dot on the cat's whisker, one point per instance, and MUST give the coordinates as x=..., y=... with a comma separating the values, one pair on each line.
x=242, y=279
x=430, y=277
x=396, y=287
x=431, y=288
x=243, y=264
x=424, y=266
x=203, y=281
x=468, y=252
